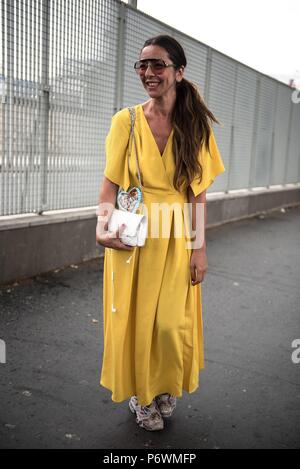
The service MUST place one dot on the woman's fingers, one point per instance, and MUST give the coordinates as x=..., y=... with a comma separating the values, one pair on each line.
x=196, y=275
x=195, y=278
x=193, y=272
x=120, y=230
x=112, y=239
x=118, y=242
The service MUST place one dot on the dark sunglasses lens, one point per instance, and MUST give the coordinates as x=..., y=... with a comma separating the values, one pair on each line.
x=139, y=67
x=142, y=66
x=157, y=65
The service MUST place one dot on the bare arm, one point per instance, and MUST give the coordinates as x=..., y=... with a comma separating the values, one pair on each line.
x=107, y=201
x=198, y=263
x=201, y=198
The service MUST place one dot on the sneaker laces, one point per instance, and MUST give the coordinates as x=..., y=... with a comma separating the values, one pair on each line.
x=167, y=398
x=150, y=411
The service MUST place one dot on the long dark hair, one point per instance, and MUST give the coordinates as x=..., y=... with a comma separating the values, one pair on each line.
x=189, y=117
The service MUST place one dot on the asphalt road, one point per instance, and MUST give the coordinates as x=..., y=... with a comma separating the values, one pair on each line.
x=249, y=394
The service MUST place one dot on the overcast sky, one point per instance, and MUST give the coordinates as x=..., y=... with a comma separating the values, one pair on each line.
x=264, y=34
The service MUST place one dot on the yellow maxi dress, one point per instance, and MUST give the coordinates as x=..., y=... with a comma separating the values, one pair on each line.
x=153, y=332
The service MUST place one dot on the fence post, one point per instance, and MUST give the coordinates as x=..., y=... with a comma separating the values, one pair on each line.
x=254, y=136
x=45, y=106
x=3, y=140
x=120, y=58
x=207, y=74
x=288, y=143
x=232, y=136
x=273, y=139
x=299, y=169
x=9, y=122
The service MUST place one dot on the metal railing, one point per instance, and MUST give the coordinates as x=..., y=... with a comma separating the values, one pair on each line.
x=67, y=67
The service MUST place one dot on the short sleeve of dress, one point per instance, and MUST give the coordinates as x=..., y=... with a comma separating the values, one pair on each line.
x=212, y=165
x=116, y=148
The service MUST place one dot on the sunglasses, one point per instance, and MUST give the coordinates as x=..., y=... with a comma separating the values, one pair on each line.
x=157, y=65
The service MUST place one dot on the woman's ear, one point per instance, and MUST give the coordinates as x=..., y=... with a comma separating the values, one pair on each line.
x=179, y=73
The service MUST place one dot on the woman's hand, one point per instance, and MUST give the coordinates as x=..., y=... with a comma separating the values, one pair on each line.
x=198, y=266
x=111, y=239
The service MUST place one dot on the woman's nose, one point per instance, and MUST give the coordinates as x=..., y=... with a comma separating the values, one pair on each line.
x=149, y=68
x=149, y=72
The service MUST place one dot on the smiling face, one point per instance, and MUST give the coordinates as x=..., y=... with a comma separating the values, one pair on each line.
x=159, y=84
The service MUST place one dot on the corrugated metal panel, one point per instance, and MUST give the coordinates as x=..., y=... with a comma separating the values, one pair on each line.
x=221, y=93
x=244, y=115
x=293, y=153
x=265, y=121
x=284, y=105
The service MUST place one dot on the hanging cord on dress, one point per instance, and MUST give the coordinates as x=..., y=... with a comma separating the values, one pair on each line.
x=113, y=309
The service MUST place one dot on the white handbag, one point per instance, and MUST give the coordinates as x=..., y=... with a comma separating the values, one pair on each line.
x=136, y=229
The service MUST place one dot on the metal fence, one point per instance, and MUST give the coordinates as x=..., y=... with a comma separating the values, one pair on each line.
x=67, y=67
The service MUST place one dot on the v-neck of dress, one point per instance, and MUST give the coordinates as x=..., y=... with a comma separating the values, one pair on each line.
x=149, y=128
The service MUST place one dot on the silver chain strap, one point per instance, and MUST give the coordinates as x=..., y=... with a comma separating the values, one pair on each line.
x=132, y=117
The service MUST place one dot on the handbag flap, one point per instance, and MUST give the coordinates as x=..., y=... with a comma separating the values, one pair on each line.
x=131, y=220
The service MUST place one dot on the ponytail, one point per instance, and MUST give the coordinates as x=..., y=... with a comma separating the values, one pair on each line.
x=191, y=132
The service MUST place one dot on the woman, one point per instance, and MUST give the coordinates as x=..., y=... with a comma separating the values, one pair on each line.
x=153, y=337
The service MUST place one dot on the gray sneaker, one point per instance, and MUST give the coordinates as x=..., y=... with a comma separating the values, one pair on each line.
x=166, y=404
x=147, y=417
